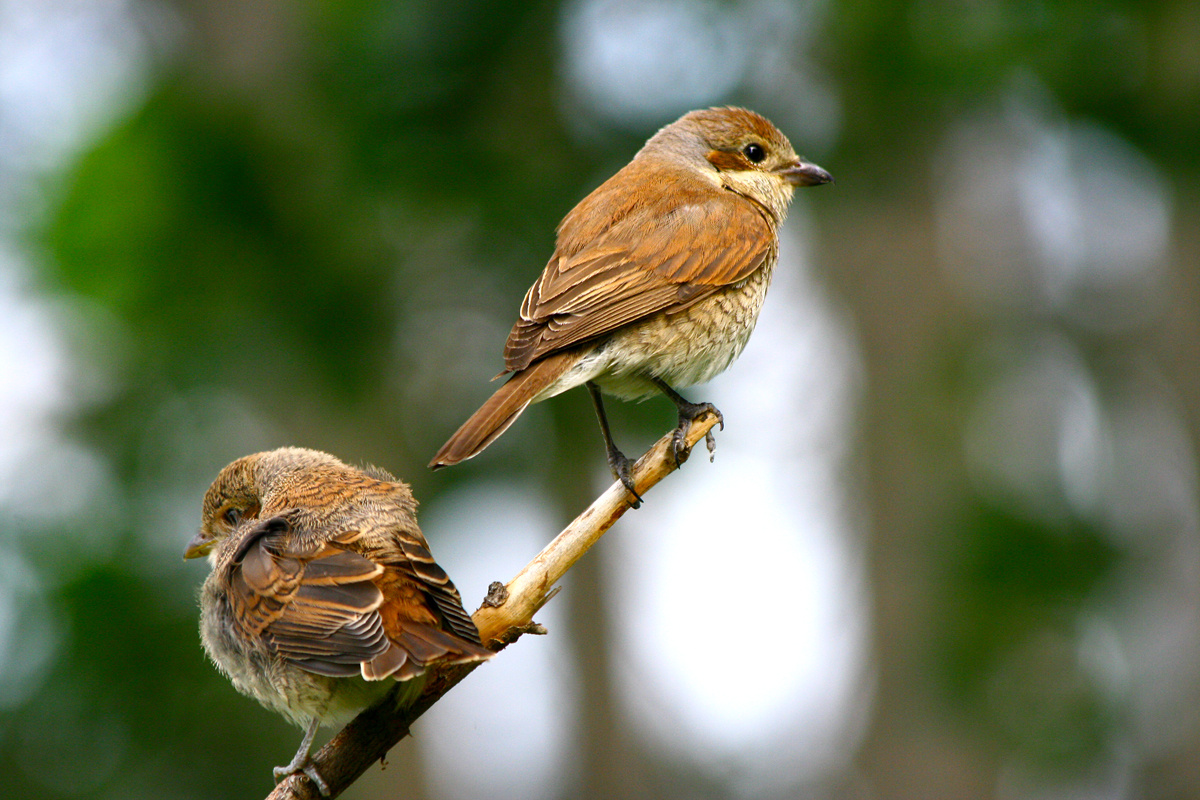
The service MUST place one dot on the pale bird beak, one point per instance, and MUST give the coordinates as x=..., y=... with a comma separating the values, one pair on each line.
x=200, y=545
x=802, y=173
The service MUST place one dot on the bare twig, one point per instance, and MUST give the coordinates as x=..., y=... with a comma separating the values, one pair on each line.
x=506, y=614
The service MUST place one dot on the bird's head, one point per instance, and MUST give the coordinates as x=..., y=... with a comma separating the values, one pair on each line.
x=291, y=480
x=233, y=498
x=748, y=154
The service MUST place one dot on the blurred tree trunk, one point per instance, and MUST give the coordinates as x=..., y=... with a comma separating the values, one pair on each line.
x=1177, y=342
x=608, y=762
x=909, y=434
x=1176, y=347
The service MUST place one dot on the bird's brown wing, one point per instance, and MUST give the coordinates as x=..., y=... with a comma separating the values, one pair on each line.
x=337, y=612
x=318, y=610
x=422, y=612
x=419, y=565
x=650, y=260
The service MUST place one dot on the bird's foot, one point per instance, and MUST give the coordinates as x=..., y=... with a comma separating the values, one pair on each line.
x=302, y=762
x=622, y=470
x=680, y=448
x=306, y=767
x=689, y=413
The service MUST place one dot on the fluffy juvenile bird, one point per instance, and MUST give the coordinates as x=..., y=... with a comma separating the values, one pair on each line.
x=656, y=280
x=322, y=588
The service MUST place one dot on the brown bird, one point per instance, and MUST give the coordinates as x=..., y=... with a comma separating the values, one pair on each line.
x=656, y=280
x=321, y=587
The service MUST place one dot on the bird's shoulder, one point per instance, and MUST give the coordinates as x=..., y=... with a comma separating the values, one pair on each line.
x=658, y=223
x=626, y=253
x=646, y=192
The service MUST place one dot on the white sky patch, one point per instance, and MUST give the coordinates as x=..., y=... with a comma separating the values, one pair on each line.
x=67, y=68
x=33, y=362
x=1034, y=207
x=634, y=59
x=37, y=389
x=634, y=63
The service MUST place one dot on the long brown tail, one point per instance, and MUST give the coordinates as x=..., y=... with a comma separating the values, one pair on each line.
x=502, y=409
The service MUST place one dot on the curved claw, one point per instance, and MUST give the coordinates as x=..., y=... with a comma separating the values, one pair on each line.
x=621, y=469
x=309, y=769
x=686, y=417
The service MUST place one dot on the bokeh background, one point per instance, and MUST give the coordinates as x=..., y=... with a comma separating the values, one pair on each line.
x=949, y=545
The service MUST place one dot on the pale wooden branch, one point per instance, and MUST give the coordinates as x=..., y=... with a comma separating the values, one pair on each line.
x=505, y=615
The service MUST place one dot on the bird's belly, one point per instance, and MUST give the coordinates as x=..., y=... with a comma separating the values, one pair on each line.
x=278, y=684
x=685, y=348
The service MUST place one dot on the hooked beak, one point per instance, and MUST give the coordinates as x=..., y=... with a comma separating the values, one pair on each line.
x=200, y=545
x=802, y=173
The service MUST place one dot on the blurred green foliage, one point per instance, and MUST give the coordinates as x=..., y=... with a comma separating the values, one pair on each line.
x=320, y=239
x=1010, y=602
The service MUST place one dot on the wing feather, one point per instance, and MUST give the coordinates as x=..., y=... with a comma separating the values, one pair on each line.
x=418, y=562
x=318, y=610
x=342, y=612
x=648, y=261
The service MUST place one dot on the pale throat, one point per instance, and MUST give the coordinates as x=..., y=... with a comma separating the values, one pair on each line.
x=769, y=190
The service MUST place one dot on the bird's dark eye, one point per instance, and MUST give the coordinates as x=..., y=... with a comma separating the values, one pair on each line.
x=232, y=516
x=755, y=152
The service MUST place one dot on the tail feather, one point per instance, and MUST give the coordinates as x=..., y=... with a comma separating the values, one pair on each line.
x=502, y=409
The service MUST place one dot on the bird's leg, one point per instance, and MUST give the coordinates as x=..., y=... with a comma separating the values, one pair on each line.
x=688, y=412
x=300, y=762
x=617, y=462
